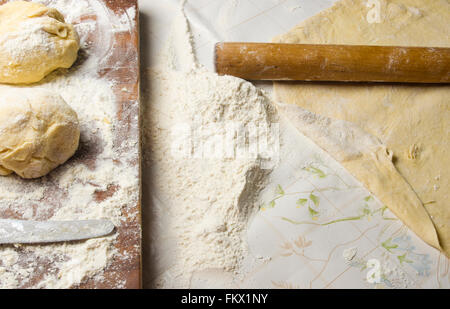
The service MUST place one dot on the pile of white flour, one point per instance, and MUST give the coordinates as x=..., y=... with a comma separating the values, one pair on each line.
x=69, y=192
x=203, y=165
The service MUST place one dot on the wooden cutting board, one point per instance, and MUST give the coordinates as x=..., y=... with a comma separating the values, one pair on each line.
x=127, y=77
x=119, y=273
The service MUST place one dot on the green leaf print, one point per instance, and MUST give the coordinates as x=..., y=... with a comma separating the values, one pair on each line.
x=301, y=202
x=279, y=190
x=318, y=172
x=402, y=258
x=314, y=199
x=313, y=213
x=366, y=211
x=368, y=198
x=388, y=245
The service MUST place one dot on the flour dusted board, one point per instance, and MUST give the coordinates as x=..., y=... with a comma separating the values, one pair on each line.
x=126, y=76
x=110, y=53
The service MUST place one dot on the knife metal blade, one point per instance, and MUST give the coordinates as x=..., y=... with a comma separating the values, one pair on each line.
x=30, y=232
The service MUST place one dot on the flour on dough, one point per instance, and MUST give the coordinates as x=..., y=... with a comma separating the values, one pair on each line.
x=38, y=131
x=411, y=121
x=34, y=41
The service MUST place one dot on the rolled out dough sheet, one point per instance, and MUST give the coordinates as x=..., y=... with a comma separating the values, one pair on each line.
x=408, y=166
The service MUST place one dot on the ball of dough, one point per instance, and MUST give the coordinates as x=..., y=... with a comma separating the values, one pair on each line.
x=34, y=41
x=38, y=132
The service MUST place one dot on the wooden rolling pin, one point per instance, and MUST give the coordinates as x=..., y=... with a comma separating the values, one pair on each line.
x=349, y=63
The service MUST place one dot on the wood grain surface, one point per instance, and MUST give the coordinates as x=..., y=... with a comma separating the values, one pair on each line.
x=123, y=69
x=126, y=52
x=348, y=63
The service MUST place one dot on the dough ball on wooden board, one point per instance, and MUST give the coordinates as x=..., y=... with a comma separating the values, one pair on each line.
x=38, y=132
x=34, y=41
x=410, y=120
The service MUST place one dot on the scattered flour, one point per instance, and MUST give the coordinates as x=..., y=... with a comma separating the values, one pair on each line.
x=342, y=138
x=202, y=195
x=396, y=277
x=71, y=191
x=81, y=13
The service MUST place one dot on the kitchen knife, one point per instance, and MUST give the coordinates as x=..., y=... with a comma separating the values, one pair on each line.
x=29, y=232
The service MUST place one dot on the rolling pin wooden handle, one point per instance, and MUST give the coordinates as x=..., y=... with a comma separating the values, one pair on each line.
x=350, y=63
